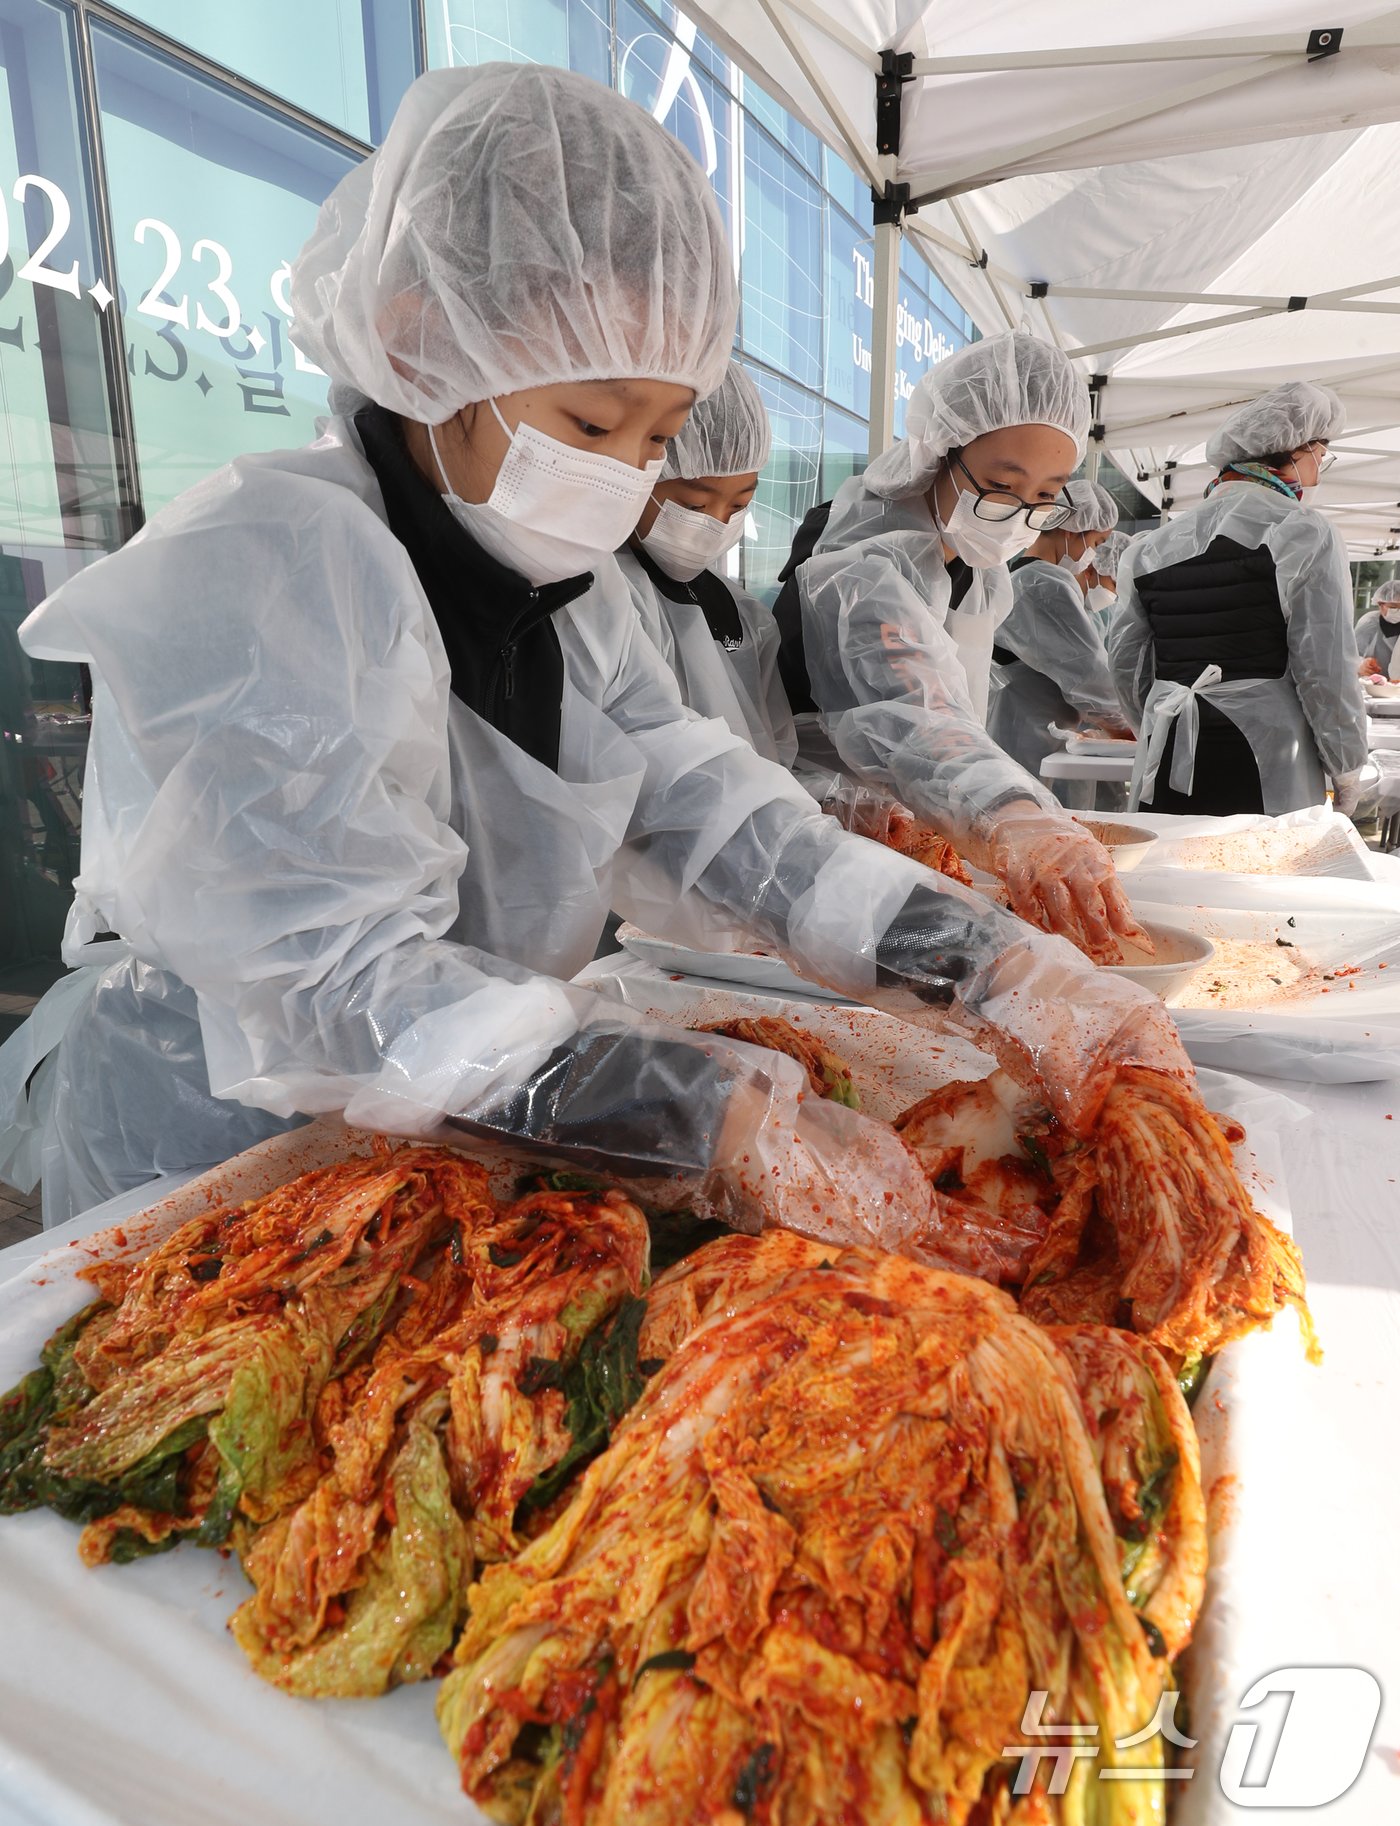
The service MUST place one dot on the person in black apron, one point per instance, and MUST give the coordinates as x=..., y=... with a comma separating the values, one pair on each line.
x=1232, y=646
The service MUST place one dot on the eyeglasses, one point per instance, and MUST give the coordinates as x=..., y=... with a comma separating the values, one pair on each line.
x=998, y=505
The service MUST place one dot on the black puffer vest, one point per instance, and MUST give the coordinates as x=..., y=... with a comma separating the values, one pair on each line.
x=1219, y=608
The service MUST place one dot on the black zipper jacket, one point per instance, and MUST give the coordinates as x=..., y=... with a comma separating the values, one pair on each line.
x=498, y=629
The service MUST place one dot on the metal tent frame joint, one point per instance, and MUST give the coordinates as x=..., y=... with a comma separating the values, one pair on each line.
x=1296, y=303
x=892, y=203
x=1326, y=41
x=896, y=69
x=1040, y=288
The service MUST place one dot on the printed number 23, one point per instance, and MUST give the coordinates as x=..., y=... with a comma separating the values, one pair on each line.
x=153, y=304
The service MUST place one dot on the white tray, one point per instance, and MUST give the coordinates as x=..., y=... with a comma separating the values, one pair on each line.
x=1317, y=843
x=1117, y=748
x=752, y=969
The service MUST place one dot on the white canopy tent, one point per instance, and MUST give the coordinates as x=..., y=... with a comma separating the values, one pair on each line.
x=1198, y=198
x=1296, y=247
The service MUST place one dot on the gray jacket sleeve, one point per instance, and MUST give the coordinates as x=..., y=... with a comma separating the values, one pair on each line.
x=1051, y=630
x=1314, y=587
x=1130, y=656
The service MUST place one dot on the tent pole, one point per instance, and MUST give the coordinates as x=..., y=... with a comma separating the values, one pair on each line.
x=1174, y=330
x=860, y=155
x=889, y=200
x=884, y=335
x=960, y=217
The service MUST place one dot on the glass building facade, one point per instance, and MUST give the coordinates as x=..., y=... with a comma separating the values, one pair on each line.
x=160, y=165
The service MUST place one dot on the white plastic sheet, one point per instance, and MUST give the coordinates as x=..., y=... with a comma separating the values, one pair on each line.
x=1344, y=1031
x=123, y=1699
x=1313, y=842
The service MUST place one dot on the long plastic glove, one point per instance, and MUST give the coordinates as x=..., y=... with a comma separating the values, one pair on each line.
x=733, y=1132
x=1349, y=789
x=873, y=812
x=1062, y=879
x=1059, y=1025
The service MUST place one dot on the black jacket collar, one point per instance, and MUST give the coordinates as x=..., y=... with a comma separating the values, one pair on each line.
x=497, y=628
x=708, y=592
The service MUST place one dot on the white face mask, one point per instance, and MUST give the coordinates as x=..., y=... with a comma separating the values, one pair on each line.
x=1100, y=598
x=1390, y=616
x=984, y=543
x=1076, y=566
x=554, y=511
x=684, y=542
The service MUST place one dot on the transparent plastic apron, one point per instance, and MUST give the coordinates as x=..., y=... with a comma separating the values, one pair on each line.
x=542, y=845
x=973, y=626
x=106, y=1087
x=1024, y=705
x=1267, y=714
x=712, y=681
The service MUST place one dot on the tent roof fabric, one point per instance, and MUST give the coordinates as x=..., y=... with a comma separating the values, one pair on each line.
x=1194, y=157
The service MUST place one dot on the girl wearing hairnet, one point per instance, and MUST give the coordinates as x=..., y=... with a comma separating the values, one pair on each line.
x=1376, y=632
x=1232, y=646
x=1051, y=665
x=721, y=645
x=378, y=738
x=1102, y=593
x=888, y=625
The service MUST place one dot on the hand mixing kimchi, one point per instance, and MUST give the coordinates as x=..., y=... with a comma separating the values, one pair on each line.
x=1146, y=1223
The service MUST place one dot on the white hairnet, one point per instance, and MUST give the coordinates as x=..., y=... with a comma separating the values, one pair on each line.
x=1387, y=594
x=991, y=385
x=1095, y=510
x=1284, y=418
x=726, y=435
x=1106, y=556
x=519, y=226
